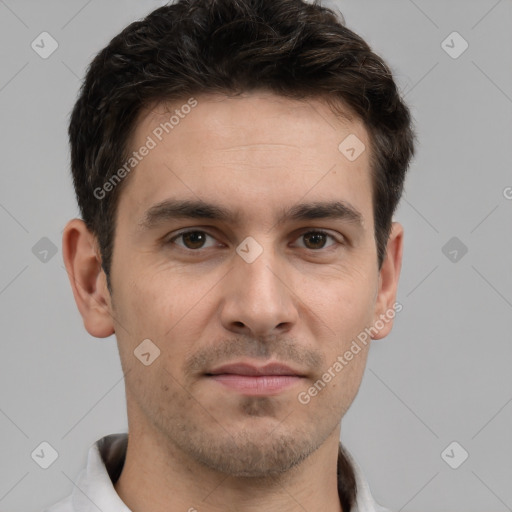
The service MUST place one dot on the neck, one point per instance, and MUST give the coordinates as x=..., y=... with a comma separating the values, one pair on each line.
x=158, y=476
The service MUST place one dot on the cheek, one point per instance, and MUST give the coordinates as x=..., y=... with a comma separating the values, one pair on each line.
x=347, y=303
x=168, y=312
x=349, y=378
x=341, y=377
x=150, y=304
x=347, y=310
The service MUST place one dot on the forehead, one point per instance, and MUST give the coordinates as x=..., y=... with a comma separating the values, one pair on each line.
x=261, y=114
x=253, y=147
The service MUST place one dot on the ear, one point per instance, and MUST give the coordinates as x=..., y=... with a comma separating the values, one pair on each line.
x=388, y=281
x=87, y=278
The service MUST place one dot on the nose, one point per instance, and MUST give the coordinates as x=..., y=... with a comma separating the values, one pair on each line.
x=258, y=297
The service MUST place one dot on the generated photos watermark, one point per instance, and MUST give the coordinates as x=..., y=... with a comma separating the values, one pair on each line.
x=343, y=360
x=152, y=141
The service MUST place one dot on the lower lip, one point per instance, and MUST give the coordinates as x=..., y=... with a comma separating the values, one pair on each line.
x=256, y=384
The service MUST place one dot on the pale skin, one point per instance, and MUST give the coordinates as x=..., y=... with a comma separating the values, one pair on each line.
x=194, y=442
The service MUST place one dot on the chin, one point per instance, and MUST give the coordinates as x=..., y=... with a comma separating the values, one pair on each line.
x=261, y=451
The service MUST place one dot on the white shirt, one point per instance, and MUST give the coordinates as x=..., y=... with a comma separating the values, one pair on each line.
x=95, y=491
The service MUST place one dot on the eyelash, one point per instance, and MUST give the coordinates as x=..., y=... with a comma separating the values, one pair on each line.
x=312, y=231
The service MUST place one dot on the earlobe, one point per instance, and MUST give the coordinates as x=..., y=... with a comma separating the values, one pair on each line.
x=87, y=278
x=385, y=306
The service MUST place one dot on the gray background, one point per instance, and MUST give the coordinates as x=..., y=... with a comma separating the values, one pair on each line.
x=443, y=374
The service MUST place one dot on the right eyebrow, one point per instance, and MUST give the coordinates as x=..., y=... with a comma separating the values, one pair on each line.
x=170, y=209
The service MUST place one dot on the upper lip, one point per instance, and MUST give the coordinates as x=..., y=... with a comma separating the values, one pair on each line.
x=251, y=369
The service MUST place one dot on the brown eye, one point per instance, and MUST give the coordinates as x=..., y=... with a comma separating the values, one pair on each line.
x=315, y=239
x=193, y=240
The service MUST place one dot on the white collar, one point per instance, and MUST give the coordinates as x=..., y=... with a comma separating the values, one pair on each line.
x=94, y=490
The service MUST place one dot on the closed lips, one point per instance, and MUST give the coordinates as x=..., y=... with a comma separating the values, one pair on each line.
x=250, y=370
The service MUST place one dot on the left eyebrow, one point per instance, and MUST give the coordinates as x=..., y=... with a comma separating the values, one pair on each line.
x=340, y=210
x=197, y=209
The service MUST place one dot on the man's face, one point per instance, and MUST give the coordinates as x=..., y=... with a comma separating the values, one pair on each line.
x=297, y=292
